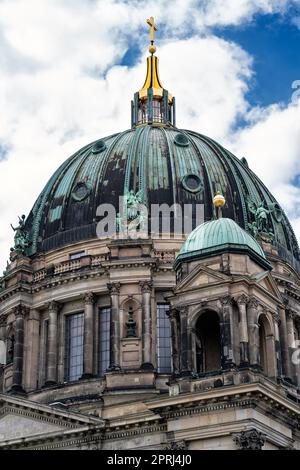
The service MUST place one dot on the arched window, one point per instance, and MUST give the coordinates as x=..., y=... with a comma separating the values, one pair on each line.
x=262, y=345
x=74, y=346
x=267, y=357
x=208, y=343
x=163, y=339
x=104, y=339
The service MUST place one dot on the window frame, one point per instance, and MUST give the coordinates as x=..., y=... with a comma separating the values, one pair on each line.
x=163, y=325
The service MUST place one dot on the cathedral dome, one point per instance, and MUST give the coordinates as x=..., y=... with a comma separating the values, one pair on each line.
x=155, y=163
x=163, y=165
x=219, y=236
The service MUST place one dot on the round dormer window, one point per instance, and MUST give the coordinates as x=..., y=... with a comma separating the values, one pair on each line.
x=192, y=183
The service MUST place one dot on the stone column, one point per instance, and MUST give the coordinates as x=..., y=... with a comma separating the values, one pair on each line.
x=290, y=317
x=243, y=329
x=290, y=329
x=227, y=332
x=32, y=343
x=88, y=341
x=253, y=332
x=114, y=289
x=276, y=319
x=173, y=315
x=185, y=340
x=286, y=364
x=51, y=372
x=20, y=311
x=146, y=288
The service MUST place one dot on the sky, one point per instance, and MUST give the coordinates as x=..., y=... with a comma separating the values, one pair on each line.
x=69, y=68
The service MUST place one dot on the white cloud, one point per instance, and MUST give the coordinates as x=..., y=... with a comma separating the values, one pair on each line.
x=60, y=87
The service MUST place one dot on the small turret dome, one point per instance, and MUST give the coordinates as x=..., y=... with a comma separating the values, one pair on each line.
x=219, y=236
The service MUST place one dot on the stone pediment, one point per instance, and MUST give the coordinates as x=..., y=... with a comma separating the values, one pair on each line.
x=201, y=276
x=13, y=426
x=265, y=281
x=20, y=418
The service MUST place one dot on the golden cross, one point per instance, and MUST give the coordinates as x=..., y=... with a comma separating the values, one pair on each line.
x=152, y=28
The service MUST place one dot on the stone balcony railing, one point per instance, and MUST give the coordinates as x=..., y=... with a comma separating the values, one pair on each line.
x=234, y=376
x=164, y=258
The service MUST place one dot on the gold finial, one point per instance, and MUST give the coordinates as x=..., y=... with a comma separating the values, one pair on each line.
x=219, y=201
x=150, y=22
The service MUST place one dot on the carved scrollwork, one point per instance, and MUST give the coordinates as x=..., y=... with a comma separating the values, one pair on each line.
x=276, y=318
x=250, y=440
x=89, y=298
x=242, y=299
x=53, y=306
x=146, y=286
x=177, y=445
x=21, y=310
x=253, y=303
x=114, y=287
x=226, y=300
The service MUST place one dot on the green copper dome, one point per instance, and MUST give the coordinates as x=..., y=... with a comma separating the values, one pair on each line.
x=162, y=164
x=219, y=236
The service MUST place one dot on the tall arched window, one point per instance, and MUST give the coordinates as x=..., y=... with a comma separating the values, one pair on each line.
x=74, y=346
x=104, y=339
x=267, y=357
x=163, y=339
x=262, y=345
x=208, y=343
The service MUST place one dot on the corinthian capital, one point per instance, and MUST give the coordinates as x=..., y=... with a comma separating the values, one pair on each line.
x=89, y=298
x=226, y=300
x=242, y=299
x=114, y=287
x=276, y=318
x=253, y=303
x=21, y=310
x=250, y=440
x=53, y=306
x=146, y=286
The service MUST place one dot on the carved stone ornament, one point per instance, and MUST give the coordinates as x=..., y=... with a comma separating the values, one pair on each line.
x=276, y=318
x=53, y=306
x=89, y=298
x=21, y=310
x=172, y=313
x=253, y=303
x=242, y=299
x=183, y=310
x=227, y=300
x=177, y=445
x=250, y=440
x=146, y=286
x=114, y=287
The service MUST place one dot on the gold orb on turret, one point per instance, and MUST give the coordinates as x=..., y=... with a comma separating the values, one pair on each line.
x=219, y=200
x=152, y=49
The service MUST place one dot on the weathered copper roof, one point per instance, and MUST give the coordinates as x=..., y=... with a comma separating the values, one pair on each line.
x=157, y=162
x=219, y=236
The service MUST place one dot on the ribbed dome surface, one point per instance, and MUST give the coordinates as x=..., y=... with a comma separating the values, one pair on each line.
x=165, y=165
x=219, y=236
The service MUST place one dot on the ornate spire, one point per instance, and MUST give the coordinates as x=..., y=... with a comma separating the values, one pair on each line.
x=152, y=104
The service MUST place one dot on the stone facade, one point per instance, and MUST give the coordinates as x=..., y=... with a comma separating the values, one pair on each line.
x=246, y=392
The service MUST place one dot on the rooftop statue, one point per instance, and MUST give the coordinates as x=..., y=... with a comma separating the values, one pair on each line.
x=21, y=237
x=260, y=226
